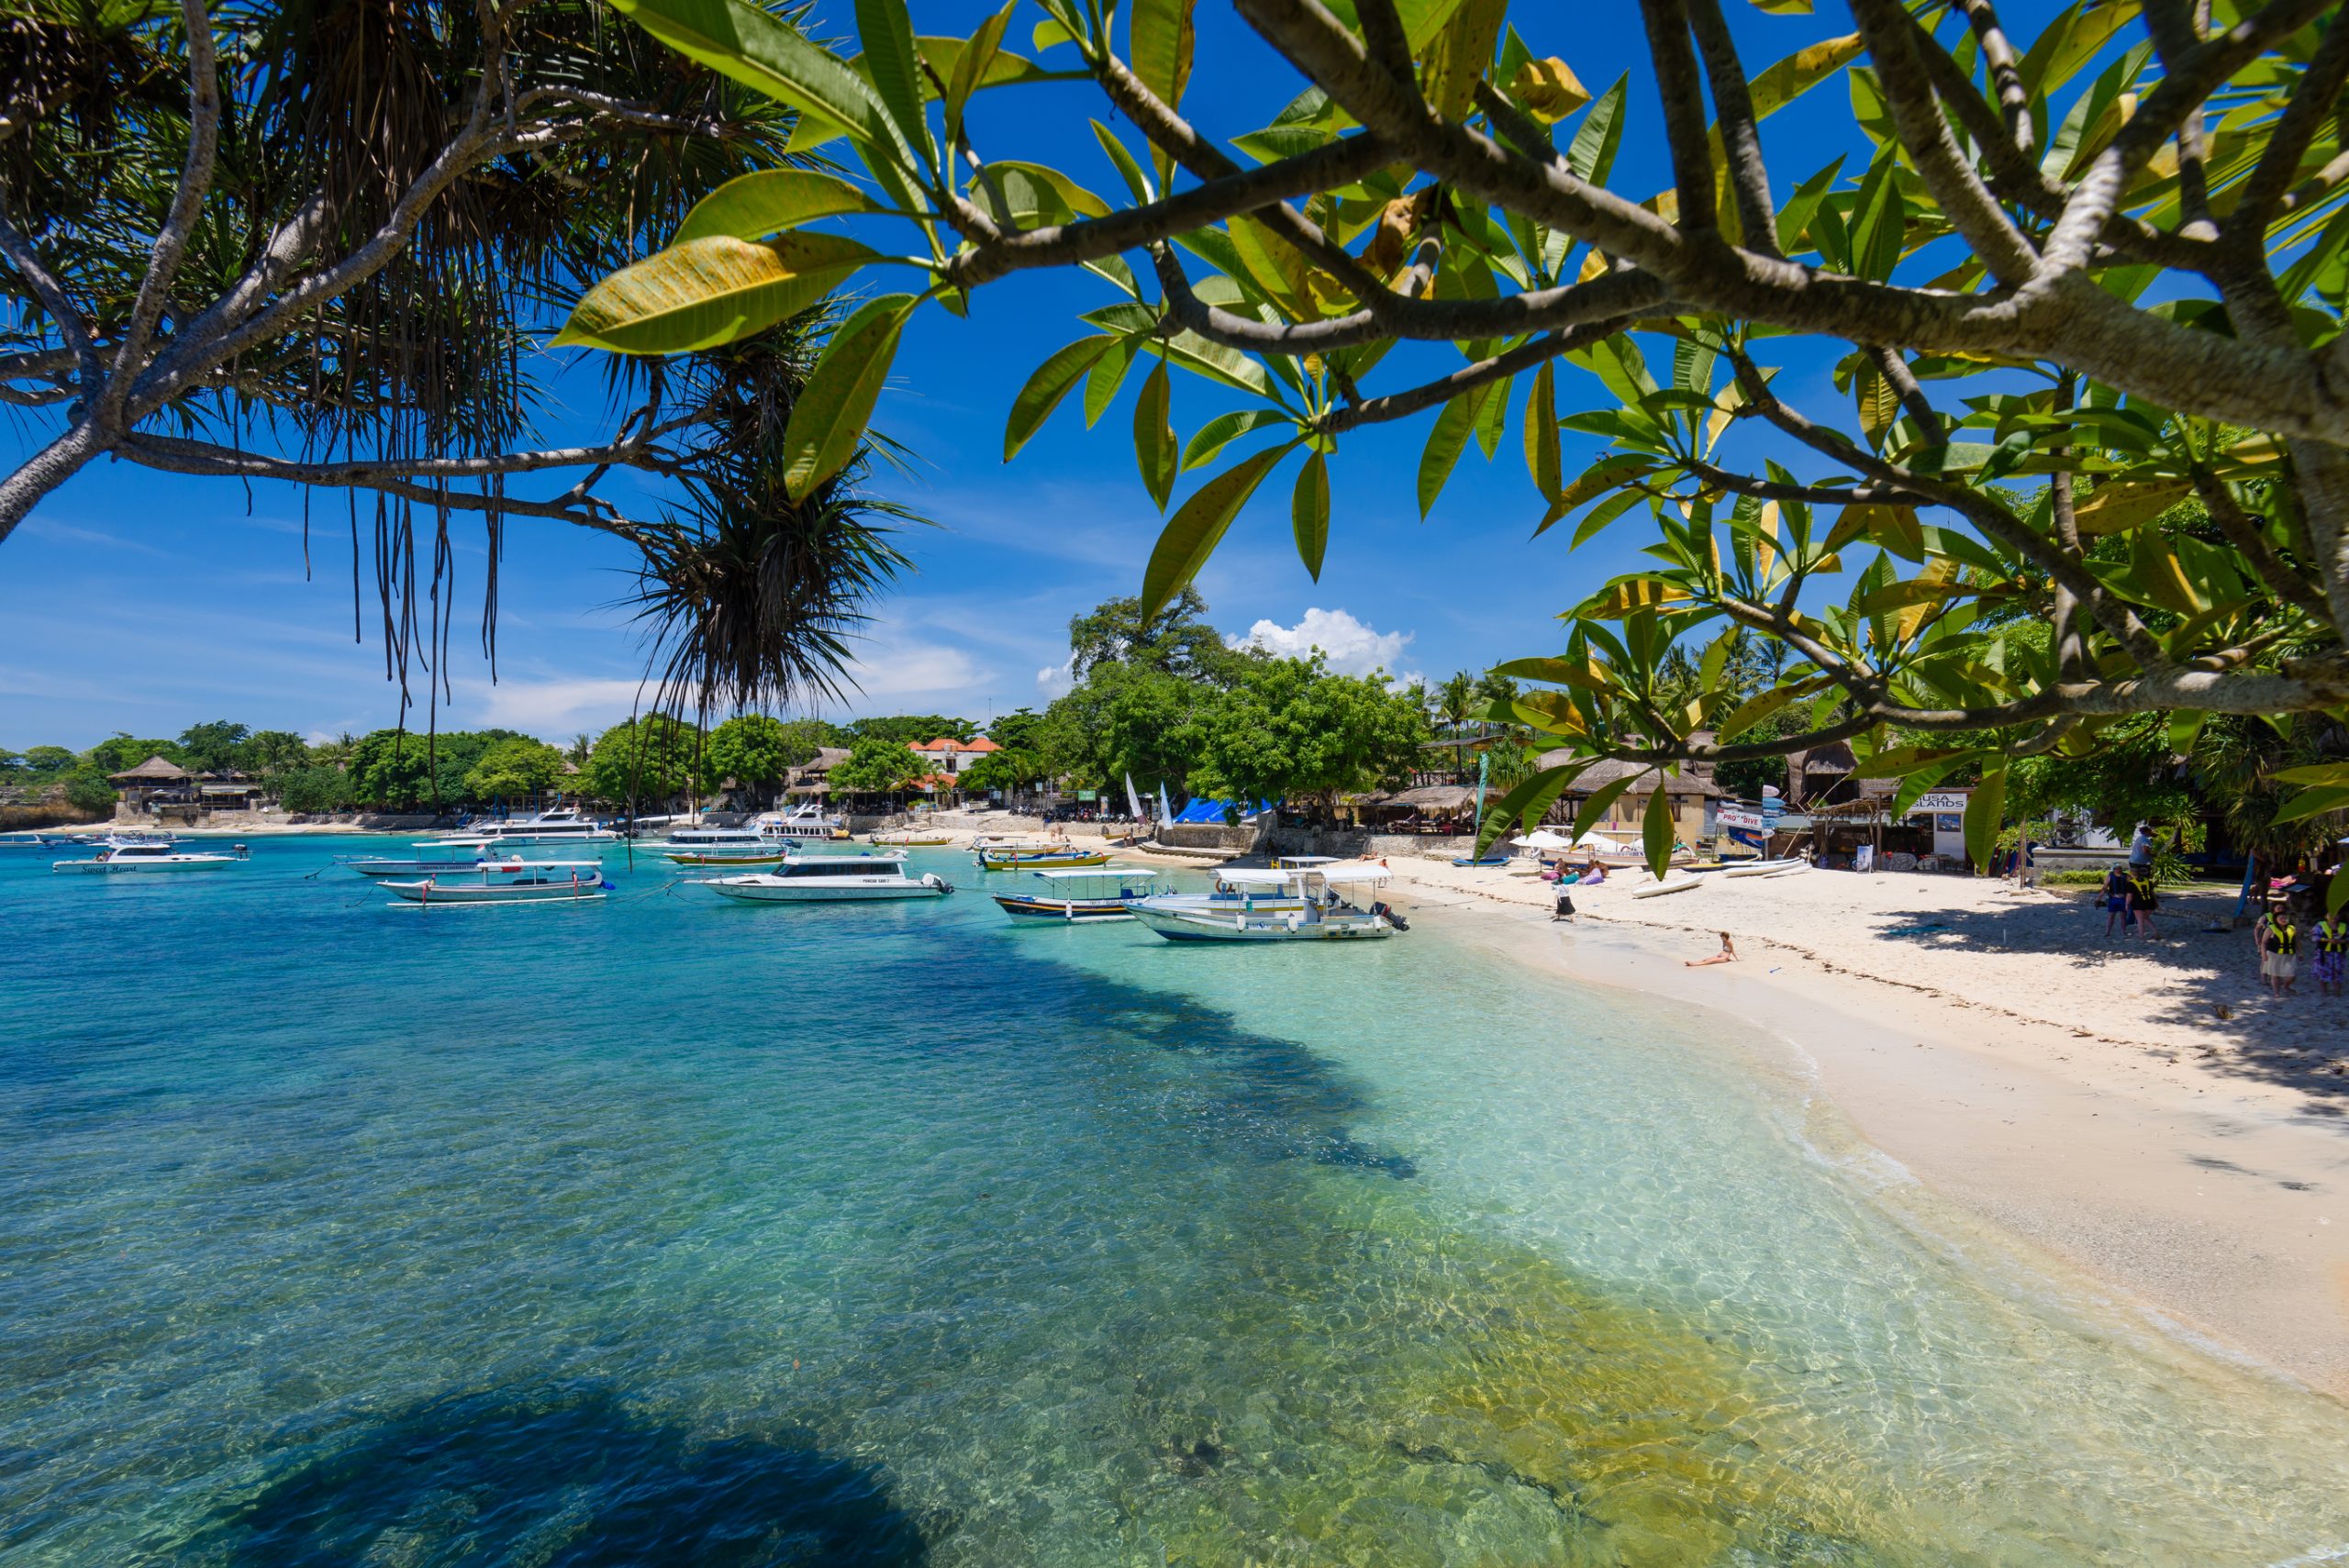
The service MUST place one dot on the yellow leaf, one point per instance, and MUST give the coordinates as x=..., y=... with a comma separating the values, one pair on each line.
x=2119, y=505
x=1548, y=89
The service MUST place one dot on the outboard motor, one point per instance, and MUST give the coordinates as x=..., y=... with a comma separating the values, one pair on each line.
x=1383, y=907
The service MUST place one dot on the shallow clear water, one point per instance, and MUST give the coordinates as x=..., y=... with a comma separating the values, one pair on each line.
x=669, y=1229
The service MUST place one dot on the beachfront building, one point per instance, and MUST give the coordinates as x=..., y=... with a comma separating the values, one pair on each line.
x=1691, y=793
x=153, y=782
x=949, y=756
x=807, y=782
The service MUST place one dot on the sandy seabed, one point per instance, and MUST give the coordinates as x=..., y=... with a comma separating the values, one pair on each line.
x=2139, y=1109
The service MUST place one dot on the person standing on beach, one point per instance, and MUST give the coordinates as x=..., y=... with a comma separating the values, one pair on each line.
x=2283, y=953
x=2142, y=902
x=2116, y=900
x=2332, y=954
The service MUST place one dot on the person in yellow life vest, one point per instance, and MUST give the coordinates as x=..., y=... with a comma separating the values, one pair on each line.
x=2283, y=953
x=2332, y=954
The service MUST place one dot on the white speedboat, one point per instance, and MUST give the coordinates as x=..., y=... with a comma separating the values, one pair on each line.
x=826, y=879
x=1069, y=896
x=150, y=857
x=32, y=841
x=562, y=825
x=509, y=881
x=1321, y=915
x=722, y=847
x=435, y=857
x=1678, y=882
x=1250, y=888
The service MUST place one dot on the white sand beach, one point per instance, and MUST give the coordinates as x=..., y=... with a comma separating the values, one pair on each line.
x=2139, y=1110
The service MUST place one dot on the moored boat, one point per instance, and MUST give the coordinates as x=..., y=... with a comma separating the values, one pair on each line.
x=1064, y=857
x=117, y=856
x=1078, y=894
x=453, y=855
x=561, y=825
x=509, y=881
x=1320, y=914
x=824, y=879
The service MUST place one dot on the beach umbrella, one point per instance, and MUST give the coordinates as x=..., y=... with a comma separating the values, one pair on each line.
x=1542, y=838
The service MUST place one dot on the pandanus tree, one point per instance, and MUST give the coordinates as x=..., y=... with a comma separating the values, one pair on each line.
x=2117, y=236
x=321, y=241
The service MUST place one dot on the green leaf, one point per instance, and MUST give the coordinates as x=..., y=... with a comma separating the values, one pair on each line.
x=759, y=49
x=1446, y=443
x=1602, y=801
x=1526, y=803
x=1913, y=787
x=2336, y=892
x=1655, y=830
x=1986, y=812
x=2311, y=802
x=973, y=66
x=1878, y=221
x=1154, y=451
x=1309, y=513
x=708, y=291
x=771, y=201
x=887, y=33
x=1053, y=379
x=1198, y=525
x=1225, y=428
x=1160, y=40
x=828, y=421
x=1541, y=460
x=1128, y=170
x=1790, y=78
x=2336, y=774
x=1109, y=375
x=1592, y=155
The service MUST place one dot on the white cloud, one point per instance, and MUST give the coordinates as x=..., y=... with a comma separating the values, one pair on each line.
x=550, y=707
x=894, y=667
x=1057, y=680
x=1352, y=647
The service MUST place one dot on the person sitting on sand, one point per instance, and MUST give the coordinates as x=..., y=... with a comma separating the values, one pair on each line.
x=2283, y=953
x=1592, y=874
x=2332, y=954
x=1727, y=955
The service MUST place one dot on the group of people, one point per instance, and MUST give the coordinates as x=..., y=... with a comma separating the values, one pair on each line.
x=2282, y=941
x=2129, y=901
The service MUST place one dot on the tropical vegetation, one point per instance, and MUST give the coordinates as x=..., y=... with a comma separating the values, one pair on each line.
x=2068, y=269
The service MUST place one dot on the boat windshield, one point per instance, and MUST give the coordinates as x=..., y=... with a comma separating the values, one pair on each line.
x=844, y=865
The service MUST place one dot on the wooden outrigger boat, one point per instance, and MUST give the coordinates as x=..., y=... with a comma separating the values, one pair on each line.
x=1051, y=858
x=1073, y=895
x=510, y=881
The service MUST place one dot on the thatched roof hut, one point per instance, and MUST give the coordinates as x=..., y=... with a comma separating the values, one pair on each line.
x=153, y=771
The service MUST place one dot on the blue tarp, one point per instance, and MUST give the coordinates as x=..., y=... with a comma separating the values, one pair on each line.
x=1213, y=811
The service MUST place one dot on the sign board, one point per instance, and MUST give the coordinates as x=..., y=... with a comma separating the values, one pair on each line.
x=1738, y=816
x=1935, y=800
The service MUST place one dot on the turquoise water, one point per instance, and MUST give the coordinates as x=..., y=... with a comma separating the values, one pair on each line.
x=669, y=1229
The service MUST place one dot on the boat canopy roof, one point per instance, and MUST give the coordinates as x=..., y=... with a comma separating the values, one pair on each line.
x=1364, y=871
x=1099, y=874
x=1300, y=861
x=1254, y=876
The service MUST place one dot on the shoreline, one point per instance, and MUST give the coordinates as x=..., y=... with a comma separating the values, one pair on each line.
x=2156, y=1158
x=2210, y=1205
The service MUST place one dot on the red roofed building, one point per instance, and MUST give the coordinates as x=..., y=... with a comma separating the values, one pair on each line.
x=950, y=757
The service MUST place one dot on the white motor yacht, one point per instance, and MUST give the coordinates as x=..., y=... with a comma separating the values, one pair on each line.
x=150, y=857
x=816, y=879
x=562, y=825
x=1319, y=915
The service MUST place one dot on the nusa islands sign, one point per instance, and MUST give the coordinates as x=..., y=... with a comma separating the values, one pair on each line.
x=1935, y=801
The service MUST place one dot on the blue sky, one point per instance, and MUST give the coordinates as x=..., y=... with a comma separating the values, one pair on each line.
x=143, y=602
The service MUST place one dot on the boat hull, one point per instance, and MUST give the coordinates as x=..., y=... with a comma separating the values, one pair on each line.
x=1064, y=910
x=1191, y=926
x=1680, y=884
x=1040, y=862
x=194, y=862
x=753, y=893
x=1766, y=868
x=424, y=893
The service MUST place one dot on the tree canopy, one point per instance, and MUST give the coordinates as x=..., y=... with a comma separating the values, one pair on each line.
x=877, y=765
x=757, y=750
x=322, y=243
x=653, y=757
x=2066, y=269
x=518, y=769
